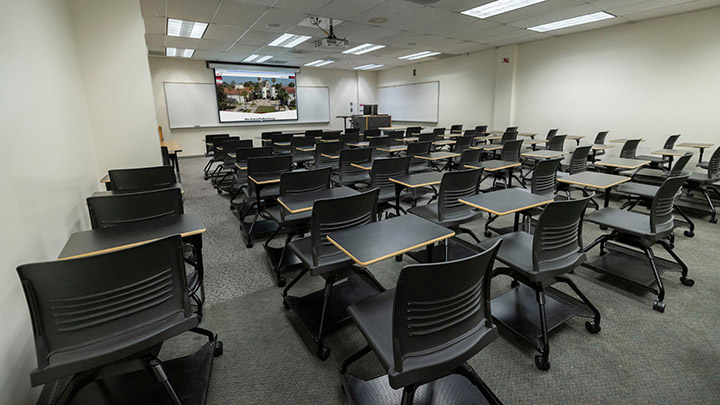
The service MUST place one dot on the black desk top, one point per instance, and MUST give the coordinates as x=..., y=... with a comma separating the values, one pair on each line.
x=507, y=201
x=376, y=241
x=595, y=180
x=304, y=202
x=87, y=243
x=418, y=179
x=622, y=163
x=110, y=193
x=438, y=155
x=493, y=165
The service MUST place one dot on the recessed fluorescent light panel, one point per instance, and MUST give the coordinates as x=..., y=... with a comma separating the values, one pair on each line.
x=189, y=29
x=419, y=55
x=368, y=67
x=263, y=59
x=320, y=62
x=289, y=40
x=364, y=48
x=251, y=58
x=180, y=52
x=498, y=7
x=583, y=19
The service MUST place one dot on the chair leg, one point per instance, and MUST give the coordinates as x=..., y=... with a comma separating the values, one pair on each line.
x=408, y=395
x=355, y=357
x=469, y=232
x=466, y=371
x=684, y=278
x=160, y=375
x=294, y=281
x=323, y=352
x=77, y=382
x=491, y=219
x=658, y=305
x=593, y=327
x=541, y=360
x=713, y=218
x=690, y=232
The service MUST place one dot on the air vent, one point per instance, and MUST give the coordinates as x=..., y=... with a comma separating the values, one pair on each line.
x=156, y=53
x=279, y=62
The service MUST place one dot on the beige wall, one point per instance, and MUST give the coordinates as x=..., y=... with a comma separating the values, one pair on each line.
x=110, y=37
x=367, y=87
x=342, y=84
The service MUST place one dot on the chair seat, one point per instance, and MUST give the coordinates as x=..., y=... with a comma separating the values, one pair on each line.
x=117, y=348
x=352, y=178
x=430, y=212
x=332, y=258
x=267, y=192
x=290, y=219
x=300, y=159
x=638, y=189
x=374, y=317
x=632, y=223
x=701, y=178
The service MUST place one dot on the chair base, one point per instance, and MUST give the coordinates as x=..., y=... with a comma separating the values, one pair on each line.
x=517, y=310
x=309, y=308
x=699, y=204
x=630, y=265
x=456, y=249
x=453, y=389
x=257, y=229
x=282, y=262
x=189, y=376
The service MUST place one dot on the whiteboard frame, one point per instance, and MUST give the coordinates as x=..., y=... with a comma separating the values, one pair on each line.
x=414, y=84
x=240, y=123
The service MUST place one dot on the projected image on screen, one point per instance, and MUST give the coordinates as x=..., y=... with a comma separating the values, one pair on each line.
x=246, y=95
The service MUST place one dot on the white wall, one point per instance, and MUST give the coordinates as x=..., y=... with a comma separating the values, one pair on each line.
x=343, y=86
x=649, y=79
x=48, y=165
x=110, y=37
x=467, y=86
x=367, y=87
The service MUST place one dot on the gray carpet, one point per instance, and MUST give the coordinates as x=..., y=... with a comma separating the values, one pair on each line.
x=640, y=356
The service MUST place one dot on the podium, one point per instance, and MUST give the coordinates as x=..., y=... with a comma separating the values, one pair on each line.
x=365, y=122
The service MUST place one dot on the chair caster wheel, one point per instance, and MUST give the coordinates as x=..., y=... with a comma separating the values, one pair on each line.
x=713, y=220
x=488, y=234
x=398, y=258
x=232, y=208
x=592, y=327
x=659, y=306
x=218, y=350
x=281, y=282
x=687, y=281
x=219, y=191
x=671, y=246
x=541, y=364
x=285, y=304
x=249, y=245
x=323, y=353
x=603, y=227
x=514, y=284
x=689, y=234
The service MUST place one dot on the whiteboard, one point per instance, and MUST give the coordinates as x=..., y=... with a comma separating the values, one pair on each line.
x=417, y=102
x=193, y=105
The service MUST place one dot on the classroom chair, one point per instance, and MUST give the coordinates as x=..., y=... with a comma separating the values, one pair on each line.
x=379, y=142
x=577, y=163
x=314, y=133
x=550, y=135
x=83, y=326
x=418, y=165
x=259, y=193
x=266, y=137
x=293, y=183
x=642, y=231
x=222, y=175
x=210, y=151
x=326, y=154
x=510, y=153
x=456, y=129
x=371, y=133
x=706, y=182
x=281, y=143
x=240, y=180
x=217, y=152
x=382, y=171
x=142, y=179
x=352, y=131
x=349, y=175
x=537, y=261
x=419, y=352
x=165, y=156
x=330, y=135
x=659, y=160
x=413, y=131
x=301, y=157
x=480, y=129
x=599, y=140
x=321, y=258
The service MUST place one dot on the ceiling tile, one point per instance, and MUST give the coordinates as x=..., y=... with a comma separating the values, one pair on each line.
x=361, y=11
x=155, y=25
x=637, y=7
x=192, y=10
x=557, y=15
x=671, y=10
x=226, y=33
x=152, y=7
x=285, y=20
x=237, y=14
x=538, y=9
x=362, y=33
x=304, y=6
x=155, y=40
x=460, y=5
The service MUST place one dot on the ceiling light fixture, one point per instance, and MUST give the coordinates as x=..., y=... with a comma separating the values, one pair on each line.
x=419, y=55
x=368, y=67
x=180, y=52
x=289, y=40
x=251, y=58
x=320, y=62
x=583, y=19
x=364, y=48
x=498, y=7
x=264, y=58
x=189, y=29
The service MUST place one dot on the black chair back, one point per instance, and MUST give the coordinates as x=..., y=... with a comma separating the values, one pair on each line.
x=469, y=133
x=578, y=160
x=139, y=293
x=419, y=149
x=243, y=154
x=462, y=143
x=384, y=169
x=456, y=129
x=679, y=166
x=165, y=155
x=336, y=214
x=439, y=131
x=713, y=170
x=551, y=133
x=427, y=138
x=230, y=147
x=600, y=138
x=352, y=131
x=301, y=142
x=313, y=133
x=281, y=143
x=330, y=135
x=629, y=149
x=350, y=138
x=395, y=137
x=556, y=143
x=456, y=297
x=218, y=145
x=210, y=141
x=269, y=165
x=125, y=209
x=558, y=236
x=380, y=142
x=304, y=181
x=511, y=150
x=544, y=179
x=670, y=142
x=325, y=149
x=661, y=218
x=511, y=129
x=455, y=185
x=350, y=156
x=371, y=133
x=142, y=179
x=480, y=129
x=266, y=137
x=508, y=136
x=413, y=131
x=470, y=156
